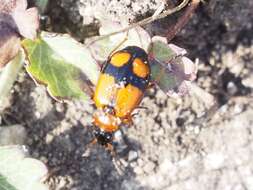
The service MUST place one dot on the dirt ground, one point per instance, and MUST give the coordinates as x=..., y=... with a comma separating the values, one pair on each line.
x=175, y=143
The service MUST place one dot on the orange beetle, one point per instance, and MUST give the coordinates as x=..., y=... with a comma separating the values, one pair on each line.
x=120, y=89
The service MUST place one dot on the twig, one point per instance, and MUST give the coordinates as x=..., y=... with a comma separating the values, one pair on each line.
x=144, y=21
x=183, y=20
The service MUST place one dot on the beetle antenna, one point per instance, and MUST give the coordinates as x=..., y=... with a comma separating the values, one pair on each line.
x=93, y=142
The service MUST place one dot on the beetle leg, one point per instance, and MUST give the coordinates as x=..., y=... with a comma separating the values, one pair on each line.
x=128, y=120
x=151, y=85
x=140, y=107
x=91, y=143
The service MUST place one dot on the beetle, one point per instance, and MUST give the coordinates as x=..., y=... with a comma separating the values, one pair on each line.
x=120, y=88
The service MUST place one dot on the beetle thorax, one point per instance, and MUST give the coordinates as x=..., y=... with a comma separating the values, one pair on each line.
x=106, y=121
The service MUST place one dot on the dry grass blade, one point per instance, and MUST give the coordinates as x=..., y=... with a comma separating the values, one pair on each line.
x=183, y=20
x=145, y=21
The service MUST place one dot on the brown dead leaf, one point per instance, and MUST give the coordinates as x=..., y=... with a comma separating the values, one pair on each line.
x=27, y=20
x=9, y=44
x=6, y=6
x=15, y=21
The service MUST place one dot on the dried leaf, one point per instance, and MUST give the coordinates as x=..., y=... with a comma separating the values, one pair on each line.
x=15, y=21
x=27, y=22
x=9, y=44
x=7, y=6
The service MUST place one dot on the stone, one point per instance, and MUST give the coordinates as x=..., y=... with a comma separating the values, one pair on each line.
x=12, y=135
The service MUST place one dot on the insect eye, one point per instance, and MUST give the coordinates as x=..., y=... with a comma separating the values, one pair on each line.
x=96, y=132
x=108, y=136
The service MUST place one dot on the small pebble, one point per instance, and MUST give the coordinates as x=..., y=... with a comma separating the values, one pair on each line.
x=138, y=170
x=132, y=155
x=149, y=167
x=196, y=130
x=12, y=135
x=231, y=88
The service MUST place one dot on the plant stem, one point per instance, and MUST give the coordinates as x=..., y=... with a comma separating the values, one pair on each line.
x=8, y=76
x=183, y=20
x=144, y=21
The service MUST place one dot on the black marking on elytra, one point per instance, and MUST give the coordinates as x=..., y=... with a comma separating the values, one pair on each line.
x=124, y=75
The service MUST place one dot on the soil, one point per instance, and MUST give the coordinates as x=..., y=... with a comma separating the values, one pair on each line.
x=203, y=140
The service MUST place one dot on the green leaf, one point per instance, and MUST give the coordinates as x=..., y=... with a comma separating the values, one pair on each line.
x=161, y=52
x=62, y=64
x=5, y=185
x=170, y=69
x=19, y=172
